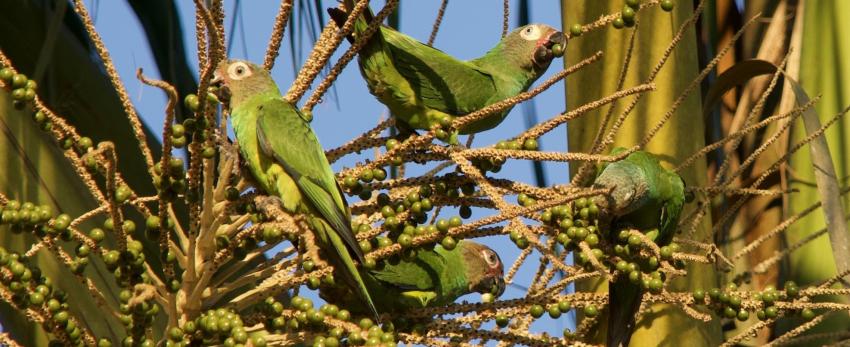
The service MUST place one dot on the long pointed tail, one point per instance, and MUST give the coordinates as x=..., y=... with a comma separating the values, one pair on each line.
x=342, y=260
x=623, y=304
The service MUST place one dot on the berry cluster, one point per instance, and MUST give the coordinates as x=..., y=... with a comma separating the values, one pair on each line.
x=23, y=89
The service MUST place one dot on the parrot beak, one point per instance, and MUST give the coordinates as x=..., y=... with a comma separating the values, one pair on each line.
x=555, y=38
x=491, y=285
x=498, y=287
x=219, y=89
x=550, y=47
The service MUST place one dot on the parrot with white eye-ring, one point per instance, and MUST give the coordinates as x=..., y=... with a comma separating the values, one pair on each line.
x=431, y=278
x=424, y=87
x=286, y=160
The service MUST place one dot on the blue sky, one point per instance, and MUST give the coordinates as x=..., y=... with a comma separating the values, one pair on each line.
x=469, y=29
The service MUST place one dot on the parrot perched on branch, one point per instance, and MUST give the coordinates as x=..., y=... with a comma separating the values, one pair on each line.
x=423, y=87
x=646, y=197
x=287, y=161
x=432, y=278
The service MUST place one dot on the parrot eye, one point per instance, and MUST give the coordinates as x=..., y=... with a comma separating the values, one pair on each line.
x=238, y=71
x=491, y=258
x=530, y=33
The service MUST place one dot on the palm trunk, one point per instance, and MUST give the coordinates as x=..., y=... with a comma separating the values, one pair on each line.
x=678, y=139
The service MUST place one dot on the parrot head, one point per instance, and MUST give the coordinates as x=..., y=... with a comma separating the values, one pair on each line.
x=484, y=270
x=628, y=188
x=535, y=45
x=238, y=80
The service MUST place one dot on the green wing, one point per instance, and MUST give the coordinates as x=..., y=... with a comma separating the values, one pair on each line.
x=285, y=136
x=441, y=82
x=421, y=273
x=672, y=206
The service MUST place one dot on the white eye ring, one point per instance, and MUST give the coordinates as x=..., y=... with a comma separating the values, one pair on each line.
x=531, y=33
x=238, y=71
x=490, y=257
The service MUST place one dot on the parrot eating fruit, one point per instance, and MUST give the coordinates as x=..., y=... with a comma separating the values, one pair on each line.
x=646, y=197
x=431, y=278
x=424, y=87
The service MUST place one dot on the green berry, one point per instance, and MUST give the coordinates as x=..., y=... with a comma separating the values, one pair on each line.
x=581, y=233
x=592, y=240
x=807, y=314
x=384, y=241
x=619, y=23
x=628, y=14
x=699, y=296
x=19, y=94
x=714, y=294
x=791, y=289
x=522, y=243
x=379, y=174
x=308, y=265
x=370, y=263
x=178, y=142
x=128, y=226
x=769, y=297
x=554, y=311
x=6, y=75
x=343, y=315
x=405, y=240
x=442, y=225
x=391, y=143
x=175, y=334
x=735, y=302
x=530, y=144
x=122, y=193
x=36, y=298
x=634, y=241
x=667, y=5
x=771, y=312
x=502, y=320
x=83, y=251
x=448, y=243
x=366, y=176
x=656, y=285
x=208, y=152
x=575, y=30
x=192, y=103
x=365, y=323
x=271, y=234
x=591, y=311
x=84, y=143
x=19, y=81
x=536, y=311
x=61, y=222
x=175, y=166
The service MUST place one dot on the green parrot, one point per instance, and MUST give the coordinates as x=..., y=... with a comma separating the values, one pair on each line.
x=646, y=197
x=432, y=278
x=287, y=161
x=423, y=86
